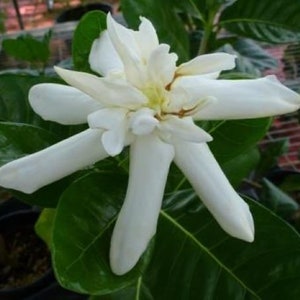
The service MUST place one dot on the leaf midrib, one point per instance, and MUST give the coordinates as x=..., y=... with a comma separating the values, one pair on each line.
x=259, y=21
x=90, y=244
x=206, y=250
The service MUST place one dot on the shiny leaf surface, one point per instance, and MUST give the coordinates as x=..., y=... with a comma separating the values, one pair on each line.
x=232, y=138
x=268, y=20
x=81, y=236
x=136, y=291
x=14, y=105
x=17, y=140
x=240, y=167
x=195, y=259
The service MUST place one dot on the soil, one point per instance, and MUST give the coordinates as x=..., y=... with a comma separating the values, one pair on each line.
x=27, y=259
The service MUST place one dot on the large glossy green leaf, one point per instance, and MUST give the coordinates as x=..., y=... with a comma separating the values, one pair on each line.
x=195, y=259
x=136, y=291
x=232, y=138
x=165, y=18
x=17, y=140
x=14, y=105
x=88, y=29
x=268, y=20
x=270, y=154
x=250, y=57
x=82, y=231
x=240, y=167
x=255, y=54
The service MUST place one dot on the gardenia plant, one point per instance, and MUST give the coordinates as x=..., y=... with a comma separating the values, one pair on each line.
x=147, y=102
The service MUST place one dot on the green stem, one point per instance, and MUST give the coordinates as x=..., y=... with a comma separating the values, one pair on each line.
x=208, y=28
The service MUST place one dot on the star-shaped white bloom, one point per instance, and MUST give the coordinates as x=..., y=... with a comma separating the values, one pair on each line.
x=144, y=100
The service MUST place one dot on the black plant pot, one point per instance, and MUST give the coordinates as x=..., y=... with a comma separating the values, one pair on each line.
x=75, y=14
x=18, y=226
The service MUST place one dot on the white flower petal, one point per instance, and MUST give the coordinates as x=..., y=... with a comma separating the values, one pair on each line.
x=240, y=99
x=114, y=121
x=107, y=118
x=61, y=103
x=184, y=129
x=206, y=64
x=177, y=98
x=125, y=44
x=34, y=171
x=103, y=57
x=143, y=121
x=146, y=38
x=208, y=180
x=213, y=75
x=150, y=159
x=162, y=65
x=123, y=39
x=111, y=92
x=114, y=140
x=180, y=99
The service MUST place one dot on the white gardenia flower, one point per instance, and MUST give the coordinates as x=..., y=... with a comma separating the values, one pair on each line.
x=144, y=100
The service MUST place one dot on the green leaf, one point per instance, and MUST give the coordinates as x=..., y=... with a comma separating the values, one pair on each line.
x=136, y=291
x=15, y=107
x=82, y=231
x=165, y=17
x=47, y=196
x=268, y=20
x=88, y=29
x=44, y=225
x=194, y=259
x=17, y=140
x=243, y=64
x=251, y=58
x=240, y=167
x=232, y=138
x=277, y=200
x=270, y=153
x=28, y=48
x=251, y=51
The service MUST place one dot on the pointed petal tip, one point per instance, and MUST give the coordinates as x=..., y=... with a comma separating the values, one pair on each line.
x=61, y=71
x=57, y=69
x=109, y=21
x=243, y=227
x=246, y=234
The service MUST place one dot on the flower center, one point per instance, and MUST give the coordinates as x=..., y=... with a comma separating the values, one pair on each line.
x=156, y=98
